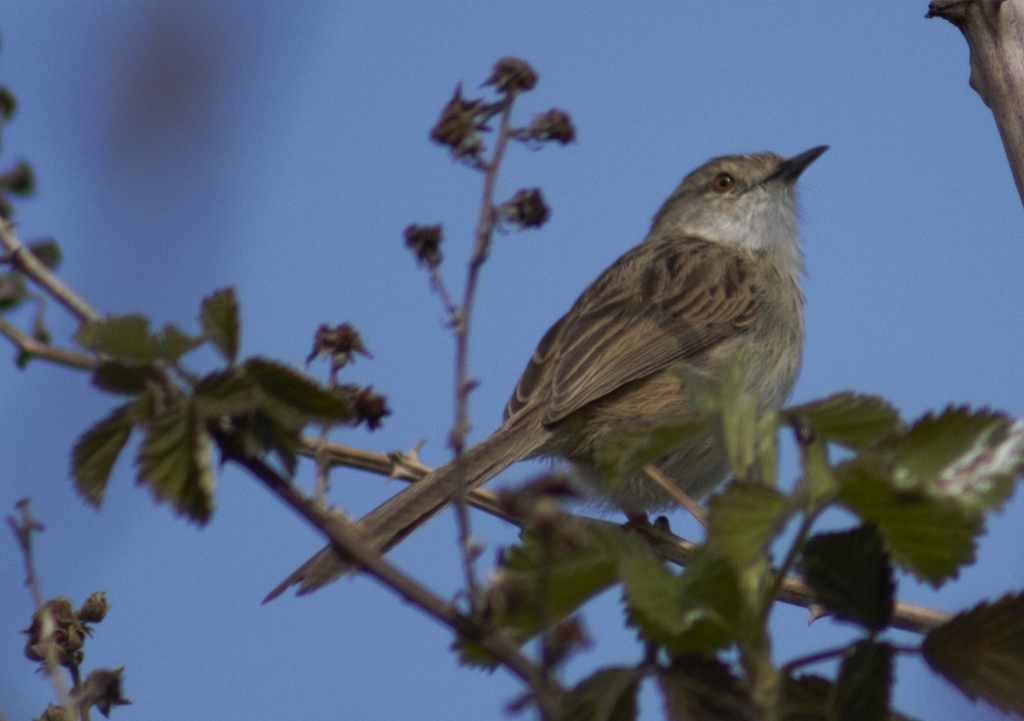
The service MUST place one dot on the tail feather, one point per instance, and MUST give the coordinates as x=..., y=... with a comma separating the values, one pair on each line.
x=403, y=513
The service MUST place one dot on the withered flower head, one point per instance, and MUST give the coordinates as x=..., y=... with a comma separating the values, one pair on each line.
x=425, y=242
x=339, y=343
x=512, y=75
x=7, y=104
x=526, y=209
x=554, y=125
x=102, y=689
x=371, y=407
x=460, y=124
x=55, y=630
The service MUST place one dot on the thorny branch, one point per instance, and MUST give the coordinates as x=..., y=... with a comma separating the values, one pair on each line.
x=346, y=539
x=672, y=548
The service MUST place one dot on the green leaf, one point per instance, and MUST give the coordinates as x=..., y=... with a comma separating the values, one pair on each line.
x=851, y=575
x=114, y=377
x=219, y=319
x=969, y=457
x=608, y=695
x=175, y=462
x=743, y=519
x=697, y=687
x=697, y=612
x=292, y=392
x=224, y=393
x=47, y=251
x=95, y=452
x=125, y=337
x=928, y=537
x=862, y=691
x=577, y=564
x=174, y=343
x=981, y=652
x=630, y=449
x=849, y=419
x=817, y=486
x=739, y=413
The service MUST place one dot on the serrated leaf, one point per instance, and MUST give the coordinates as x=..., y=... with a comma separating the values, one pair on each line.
x=115, y=377
x=928, y=537
x=631, y=448
x=696, y=687
x=608, y=695
x=297, y=393
x=981, y=652
x=862, y=690
x=96, y=451
x=817, y=485
x=851, y=575
x=578, y=564
x=220, y=322
x=743, y=519
x=969, y=457
x=174, y=343
x=697, y=612
x=850, y=419
x=175, y=462
x=224, y=393
x=125, y=337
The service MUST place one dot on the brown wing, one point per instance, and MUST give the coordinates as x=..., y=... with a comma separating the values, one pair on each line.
x=661, y=303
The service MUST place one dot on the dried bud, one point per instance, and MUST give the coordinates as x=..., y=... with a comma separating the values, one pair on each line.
x=6, y=209
x=56, y=632
x=371, y=407
x=7, y=104
x=554, y=125
x=102, y=689
x=20, y=180
x=55, y=713
x=47, y=251
x=512, y=76
x=425, y=242
x=459, y=125
x=94, y=609
x=339, y=344
x=526, y=209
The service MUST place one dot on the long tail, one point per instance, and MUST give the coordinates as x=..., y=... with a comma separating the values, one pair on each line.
x=403, y=513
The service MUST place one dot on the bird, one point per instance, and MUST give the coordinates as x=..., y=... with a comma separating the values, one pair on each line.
x=718, y=272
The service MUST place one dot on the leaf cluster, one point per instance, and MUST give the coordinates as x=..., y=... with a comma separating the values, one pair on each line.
x=257, y=407
x=919, y=493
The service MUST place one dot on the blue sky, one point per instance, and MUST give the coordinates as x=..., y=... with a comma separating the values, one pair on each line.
x=186, y=146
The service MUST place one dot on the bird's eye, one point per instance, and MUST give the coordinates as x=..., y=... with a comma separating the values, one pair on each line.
x=723, y=182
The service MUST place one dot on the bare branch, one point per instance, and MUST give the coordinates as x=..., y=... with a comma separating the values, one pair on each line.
x=672, y=548
x=23, y=530
x=995, y=34
x=27, y=263
x=347, y=541
x=36, y=349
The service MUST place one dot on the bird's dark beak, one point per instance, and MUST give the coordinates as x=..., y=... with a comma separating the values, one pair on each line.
x=790, y=169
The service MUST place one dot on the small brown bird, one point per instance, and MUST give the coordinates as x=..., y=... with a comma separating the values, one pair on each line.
x=718, y=272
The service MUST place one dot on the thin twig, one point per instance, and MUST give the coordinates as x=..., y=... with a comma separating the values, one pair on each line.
x=906, y=616
x=677, y=493
x=347, y=540
x=23, y=531
x=461, y=318
x=24, y=260
x=37, y=349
